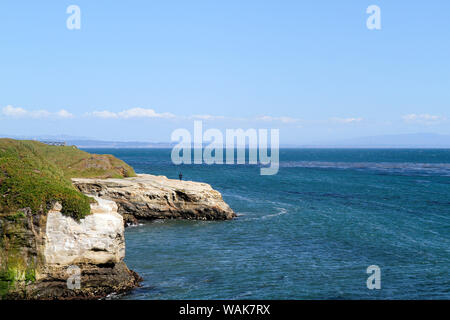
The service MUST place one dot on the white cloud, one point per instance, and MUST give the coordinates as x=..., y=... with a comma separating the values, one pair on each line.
x=104, y=114
x=11, y=111
x=64, y=114
x=424, y=118
x=143, y=113
x=132, y=113
x=17, y=112
x=206, y=117
x=346, y=120
x=280, y=119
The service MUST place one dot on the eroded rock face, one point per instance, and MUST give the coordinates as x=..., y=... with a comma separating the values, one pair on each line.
x=96, y=239
x=68, y=259
x=156, y=197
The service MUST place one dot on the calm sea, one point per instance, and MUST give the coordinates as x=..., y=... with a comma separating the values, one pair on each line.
x=309, y=232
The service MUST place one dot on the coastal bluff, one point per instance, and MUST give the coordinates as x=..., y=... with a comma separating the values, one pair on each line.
x=55, y=242
x=147, y=197
x=62, y=217
x=53, y=256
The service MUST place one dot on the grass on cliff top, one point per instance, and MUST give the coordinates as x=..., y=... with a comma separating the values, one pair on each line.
x=35, y=175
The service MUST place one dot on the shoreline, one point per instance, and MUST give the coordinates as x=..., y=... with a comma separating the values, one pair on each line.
x=65, y=249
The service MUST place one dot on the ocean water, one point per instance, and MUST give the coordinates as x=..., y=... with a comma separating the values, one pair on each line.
x=309, y=232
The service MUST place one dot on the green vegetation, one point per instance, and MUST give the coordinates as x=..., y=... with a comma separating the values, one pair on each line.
x=36, y=175
x=18, y=259
x=76, y=163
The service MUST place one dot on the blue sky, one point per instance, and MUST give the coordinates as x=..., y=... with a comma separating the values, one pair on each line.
x=137, y=70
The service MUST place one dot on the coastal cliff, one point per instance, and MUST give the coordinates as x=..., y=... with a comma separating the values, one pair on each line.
x=62, y=217
x=157, y=197
x=55, y=242
x=53, y=256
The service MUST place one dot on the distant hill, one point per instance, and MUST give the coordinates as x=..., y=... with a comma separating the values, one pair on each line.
x=415, y=140
x=118, y=144
x=84, y=142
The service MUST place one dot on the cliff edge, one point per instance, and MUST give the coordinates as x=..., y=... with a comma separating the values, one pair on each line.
x=62, y=213
x=55, y=242
x=157, y=197
x=53, y=256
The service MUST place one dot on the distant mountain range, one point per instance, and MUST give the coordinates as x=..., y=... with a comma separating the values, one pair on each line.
x=118, y=144
x=415, y=140
x=85, y=142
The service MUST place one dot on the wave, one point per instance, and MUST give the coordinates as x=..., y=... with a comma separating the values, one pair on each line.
x=280, y=212
x=247, y=216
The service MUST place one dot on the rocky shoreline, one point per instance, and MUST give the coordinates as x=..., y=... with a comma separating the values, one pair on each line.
x=148, y=197
x=53, y=256
x=62, y=237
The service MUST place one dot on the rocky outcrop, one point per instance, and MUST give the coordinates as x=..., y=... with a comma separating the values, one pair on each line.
x=52, y=256
x=47, y=254
x=157, y=197
x=96, y=239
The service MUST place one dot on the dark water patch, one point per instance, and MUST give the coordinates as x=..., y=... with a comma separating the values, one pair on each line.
x=319, y=195
x=439, y=203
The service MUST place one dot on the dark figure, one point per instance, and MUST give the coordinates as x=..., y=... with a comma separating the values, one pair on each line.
x=180, y=175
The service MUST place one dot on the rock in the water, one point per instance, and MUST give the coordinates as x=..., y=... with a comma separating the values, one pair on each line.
x=156, y=197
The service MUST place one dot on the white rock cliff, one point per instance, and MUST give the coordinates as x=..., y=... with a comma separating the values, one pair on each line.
x=96, y=239
x=157, y=197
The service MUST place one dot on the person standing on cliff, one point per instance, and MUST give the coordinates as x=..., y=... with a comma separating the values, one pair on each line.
x=180, y=175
